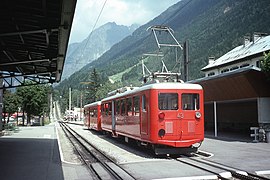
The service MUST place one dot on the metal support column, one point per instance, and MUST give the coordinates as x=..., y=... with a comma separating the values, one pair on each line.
x=186, y=61
x=215, y=118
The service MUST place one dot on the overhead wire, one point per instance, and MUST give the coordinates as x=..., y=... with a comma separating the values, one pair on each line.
x=87, y=40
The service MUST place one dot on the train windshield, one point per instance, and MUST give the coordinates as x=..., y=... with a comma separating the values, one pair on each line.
x=190, y=101
x=168, y=101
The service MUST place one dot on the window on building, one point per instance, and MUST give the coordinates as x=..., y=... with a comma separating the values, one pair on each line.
x=168, y=101
x=234, y=68
x=224, y=70
x=211, y=74
x=244, y=65
x=190, y=101
x=258, y=64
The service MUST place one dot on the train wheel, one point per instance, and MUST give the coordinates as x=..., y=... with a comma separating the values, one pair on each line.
x=138, y=143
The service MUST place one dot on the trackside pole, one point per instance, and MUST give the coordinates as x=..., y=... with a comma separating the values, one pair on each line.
x=215, y=118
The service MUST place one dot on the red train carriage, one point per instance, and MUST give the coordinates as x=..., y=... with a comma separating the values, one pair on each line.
x=167, y=116
x=92, y=116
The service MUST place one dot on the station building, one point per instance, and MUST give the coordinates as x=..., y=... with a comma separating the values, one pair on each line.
x=237, y=92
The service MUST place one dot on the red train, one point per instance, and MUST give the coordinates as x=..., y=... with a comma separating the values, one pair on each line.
x=92, y=116
x=169, y=117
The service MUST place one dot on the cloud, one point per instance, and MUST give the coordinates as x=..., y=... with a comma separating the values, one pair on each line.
x=123, y=12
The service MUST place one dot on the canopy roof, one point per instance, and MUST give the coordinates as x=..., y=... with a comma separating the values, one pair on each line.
x=34, y=36
x=245, y=83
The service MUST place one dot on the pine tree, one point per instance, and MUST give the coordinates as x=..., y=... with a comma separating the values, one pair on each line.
x=93, y=87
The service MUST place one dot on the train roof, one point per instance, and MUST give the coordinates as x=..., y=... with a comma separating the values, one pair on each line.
x=93, y=104
x=164, y=85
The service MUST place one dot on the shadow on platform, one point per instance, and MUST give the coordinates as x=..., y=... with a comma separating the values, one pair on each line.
x=29, y=158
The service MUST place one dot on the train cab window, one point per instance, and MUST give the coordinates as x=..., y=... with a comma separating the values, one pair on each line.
x=168, y=101
x=136, y=105
x=190, y=101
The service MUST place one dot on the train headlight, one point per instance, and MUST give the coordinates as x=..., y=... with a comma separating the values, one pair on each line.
x=198, y=115
x=161, y=115
x=161, y=133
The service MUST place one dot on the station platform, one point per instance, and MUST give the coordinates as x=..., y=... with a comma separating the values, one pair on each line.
x=33, y=153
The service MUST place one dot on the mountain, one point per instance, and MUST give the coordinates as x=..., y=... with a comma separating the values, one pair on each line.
x=211, y=27
x=99, y=41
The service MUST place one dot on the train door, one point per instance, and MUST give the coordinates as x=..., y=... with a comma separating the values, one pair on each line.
x=144, y=113
x=87, y=118
x=189, y=105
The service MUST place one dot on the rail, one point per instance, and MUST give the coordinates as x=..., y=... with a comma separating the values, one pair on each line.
x=220, y=170
x=101, y=166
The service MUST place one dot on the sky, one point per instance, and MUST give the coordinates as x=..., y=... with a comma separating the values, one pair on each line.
x=122, y=12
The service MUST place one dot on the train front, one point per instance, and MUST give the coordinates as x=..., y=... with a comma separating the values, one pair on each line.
x=177, y=118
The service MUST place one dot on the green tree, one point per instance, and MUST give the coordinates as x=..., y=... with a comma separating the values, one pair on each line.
x=33, y=99
x=10, y=102
x=266, y=63
x=93, y=87
x=106, y=88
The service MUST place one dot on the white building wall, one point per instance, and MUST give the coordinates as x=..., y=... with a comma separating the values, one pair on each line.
x=252, y=62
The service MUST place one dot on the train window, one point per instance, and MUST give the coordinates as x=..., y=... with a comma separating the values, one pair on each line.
x=109, y=108
x=136, y=105
x=129, y=107
x=123, y=107
x=168, y=101
x=118, y=107
x=190, y=101
x=143, y=103
x=103, y=109
x=94, y=113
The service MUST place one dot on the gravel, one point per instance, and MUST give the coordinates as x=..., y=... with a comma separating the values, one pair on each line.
x=68, y=152
x=116, y=149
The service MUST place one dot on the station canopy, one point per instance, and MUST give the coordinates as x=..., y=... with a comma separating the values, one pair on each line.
x=244, y=83
x=34, y=37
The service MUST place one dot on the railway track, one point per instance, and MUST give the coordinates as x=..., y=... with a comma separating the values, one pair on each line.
x=100, y=166
x=221, y=171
